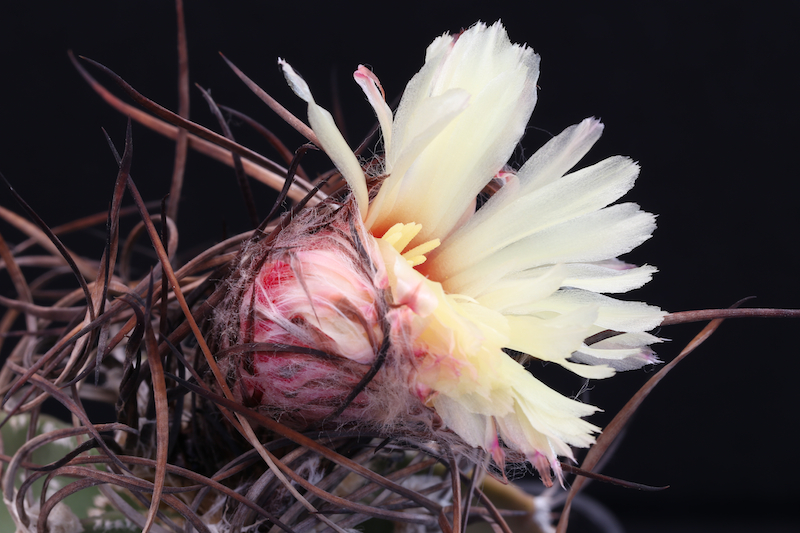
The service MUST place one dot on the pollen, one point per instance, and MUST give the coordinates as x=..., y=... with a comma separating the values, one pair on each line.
x=400, y=235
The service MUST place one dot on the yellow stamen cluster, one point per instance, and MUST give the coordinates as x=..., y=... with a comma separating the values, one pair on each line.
x=400, y=235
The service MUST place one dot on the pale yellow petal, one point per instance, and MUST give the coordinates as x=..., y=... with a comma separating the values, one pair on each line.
x=603, y=277
x=513, y=291
x=472, y=427
x=430, y=117
x=434, y=178
x=559, y=155
x=555, y=339
x=372, y=89
x=592, y=237
x=331, y=139
x=511, y=217
x=598, y=278
x=612, y=314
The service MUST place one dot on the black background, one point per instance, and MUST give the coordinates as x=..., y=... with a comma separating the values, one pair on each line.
x=703, y=95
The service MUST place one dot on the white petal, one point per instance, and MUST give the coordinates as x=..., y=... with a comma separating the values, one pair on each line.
x=555, y=339
x=330, y=138
x=592, y=237
x=468, y=425
x=628, y=351
x=599, y=278
x=431, y=117
x=610, y=355
x=371, y=86
x=541, y=414
x=530, y=416
x=478, y=148
x=612, y=314
x=434, y=115
x=295, y=81
x=509, y=292
x=560, y=154
x=508, y=217
x=340, y=153
x=643, y=356
x=417, y=90
x=627, y=340
x=449, y=170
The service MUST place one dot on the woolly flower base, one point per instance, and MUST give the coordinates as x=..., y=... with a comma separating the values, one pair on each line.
x=295, y=305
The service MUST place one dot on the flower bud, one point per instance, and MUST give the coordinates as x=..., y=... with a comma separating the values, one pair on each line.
x=308, y=325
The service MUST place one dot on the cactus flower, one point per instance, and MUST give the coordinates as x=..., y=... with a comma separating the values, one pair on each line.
x=453, y=293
